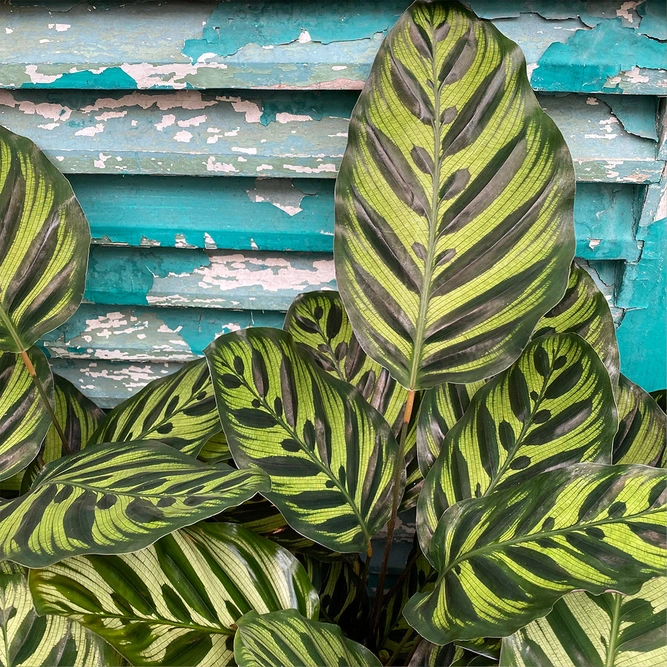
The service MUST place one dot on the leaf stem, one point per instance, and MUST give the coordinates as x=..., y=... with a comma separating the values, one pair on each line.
x=45, y=400
x=396, y=497
x=614, y=631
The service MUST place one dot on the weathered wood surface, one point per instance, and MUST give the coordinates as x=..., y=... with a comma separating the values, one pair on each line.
x=278, y=133
x=307, y=45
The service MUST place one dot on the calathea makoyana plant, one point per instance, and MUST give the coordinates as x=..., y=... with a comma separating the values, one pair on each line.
x=467, y=368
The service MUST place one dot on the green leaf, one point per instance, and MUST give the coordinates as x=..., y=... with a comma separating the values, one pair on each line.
x=454, y=202
x=505, y=559
x=44, y=237
x=176, y=602
x=660, y=397
x=178, y=410
x=319, y=325
x=215, y=449
x=552, y=407
x=642, y=431
x=116, y=498
x=331, y=456
x=609, y=630
x=24, y=420
x=286, y=638
x=29, y=640
x=584, y=310
x=450, y=655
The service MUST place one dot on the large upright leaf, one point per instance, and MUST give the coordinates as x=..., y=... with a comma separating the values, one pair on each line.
x=642, y=429
x=287, y=638
x=505, y=559
x=178, y=410
x=44, y=238
x=454, y=202
x=24, y=420
x=29, y=640
x=176, y=602
x=609, y=630
x=330, y=455
x=584, y=310
x=116, y=498
x=554, y=406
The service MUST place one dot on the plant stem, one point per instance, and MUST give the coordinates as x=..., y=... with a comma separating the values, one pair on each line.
x=400, y=647
x=396, y=497
x=45, y=400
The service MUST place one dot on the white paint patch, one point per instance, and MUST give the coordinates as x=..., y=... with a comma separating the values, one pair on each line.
x=62, y=27
x=167, y=121
x=530, y=68
x=183, y=136
x=279, y=192
x=49, y=126
x=592, y=101
x=90, y=131
x=209, y=243
x=213, y=165
x=36, y=77
x=102, y=158
x=192, y=122
x=9, y=31
x=304, y=37
x=594, y=243
x=180, y=241
x=253, y=245
x=205, y=56
x=264, y=167
x=232, y=133
x=183, y=99
x=247, y=151
x=284, y=117
x=624, y=11
x=60, y=158
x=339, y=134
x=311, y=170
x=107, y=115
x=338, y=68
x=633, y=76
x=253, y=113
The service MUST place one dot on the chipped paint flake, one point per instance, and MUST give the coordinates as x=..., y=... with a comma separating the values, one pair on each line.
x=90, y=131
x=626, y=10
x=304, y=37
x=36, y=77
x=284, y=117
x=279, y=192
x=183, y=136
x=107, y=115
x=247, y=151
x=100, y=162
x=594, y=243
x=299, y=169
x=213, y=165
x=264, y=167
x=192, y=122
x=167, y=121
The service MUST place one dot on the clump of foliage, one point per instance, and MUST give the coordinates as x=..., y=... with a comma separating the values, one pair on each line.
x=467, y=368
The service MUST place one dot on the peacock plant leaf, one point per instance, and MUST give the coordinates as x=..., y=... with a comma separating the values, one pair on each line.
x=178, y=409
x=660, y=397
x=609, y=630
x=116, y=498
x=44, y=238
x=287, y=638
x=331, y=457
x=505, y=559
x=24, y=420
x=642, y=430
x=454, y=202
x=215, y=449
x=177, y=601
x=553, y=407
x=29, y=640
x=585, y=311
x=450, y=655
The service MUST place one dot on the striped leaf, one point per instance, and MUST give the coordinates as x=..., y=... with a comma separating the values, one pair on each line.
x=287, y=638
x=660, y=397
x=319, y=325
x=178, y=410
x=44, y=237
x=609, y=630
x=176, y=602
x=642, y=429
x=24, y=420
x=552, y=407
x=505, y=559
x=116, y=498
x=440, y=409
x=330, y=455
x=29, y=640
x=585, y=311
x=77, y=415
x=454, y=202
x=215, y=449
x=450, y=655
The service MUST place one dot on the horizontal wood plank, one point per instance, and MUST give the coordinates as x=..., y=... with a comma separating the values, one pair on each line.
x=274, y=134
x=608, y=46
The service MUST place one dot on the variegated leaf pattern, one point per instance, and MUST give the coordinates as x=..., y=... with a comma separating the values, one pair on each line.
x=330, y=455
x=77, y=415
x=554, y=406
x=287, y=638
x=178, y=410
x=440, y=409
x=450, y=655
x=24, y=420
x=116, y=498
x=609, y=630
x=176, y=602
x=319, y=325
x=505, y=559
x=660, y=397
x=642, y=429
x=454, y=202
x=44, y=238
x=215, y=449
x=29, y=640
x=584, y=310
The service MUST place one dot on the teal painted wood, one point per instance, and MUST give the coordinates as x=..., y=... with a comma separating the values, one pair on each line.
x=275, y=134
x=291, y=214
x=570, y=46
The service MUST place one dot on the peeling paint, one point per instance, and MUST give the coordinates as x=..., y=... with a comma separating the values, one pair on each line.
x=213, y=165
x=279, y=192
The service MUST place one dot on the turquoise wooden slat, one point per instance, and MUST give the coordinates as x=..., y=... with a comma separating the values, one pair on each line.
x=570, y=46
x=276, y=134
x=291, y=215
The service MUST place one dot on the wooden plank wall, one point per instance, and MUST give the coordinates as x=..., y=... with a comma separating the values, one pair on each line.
x=203, y=140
